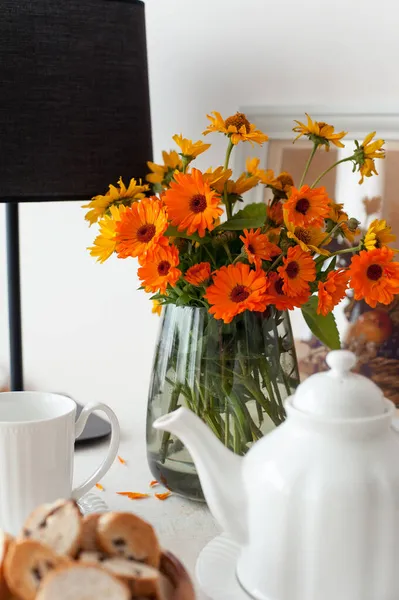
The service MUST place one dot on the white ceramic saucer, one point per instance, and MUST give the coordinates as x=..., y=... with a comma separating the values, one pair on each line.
x=91, y=503
x=216, y=570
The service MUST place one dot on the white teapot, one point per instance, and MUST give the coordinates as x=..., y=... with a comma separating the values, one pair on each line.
x=315, y=503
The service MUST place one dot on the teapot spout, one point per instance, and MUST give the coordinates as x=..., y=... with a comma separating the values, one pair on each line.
x=219, y=470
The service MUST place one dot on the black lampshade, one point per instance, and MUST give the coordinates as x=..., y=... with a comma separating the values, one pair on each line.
x=74, y=99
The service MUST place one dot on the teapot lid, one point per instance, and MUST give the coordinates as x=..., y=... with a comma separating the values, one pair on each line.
x=339, y=393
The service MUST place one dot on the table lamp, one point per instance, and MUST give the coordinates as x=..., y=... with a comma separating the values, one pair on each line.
x=74, y=112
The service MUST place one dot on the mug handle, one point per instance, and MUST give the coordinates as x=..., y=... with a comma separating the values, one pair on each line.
x=80, y=424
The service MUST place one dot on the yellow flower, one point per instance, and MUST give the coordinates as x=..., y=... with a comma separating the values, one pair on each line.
x=378, y=235
x=310, y=239
x=162, y=174
x=319, y=133
x=242, y=185
x=189, y=149
x=281, y=184
x=105, y=243
x=156, y=308
x=347, y=227
x=365, y=154
x=217, y=178
x=236, y=127
x=100, y=204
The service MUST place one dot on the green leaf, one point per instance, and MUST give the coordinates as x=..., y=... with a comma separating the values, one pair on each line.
x=174, y=232
x=194, y=237
x=183, y=299
x=324, y=328
x=250, y=217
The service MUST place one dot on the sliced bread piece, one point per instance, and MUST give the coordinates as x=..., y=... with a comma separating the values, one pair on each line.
x=142, y=580
x=26, y=564
x=126, y=535
x=81, y=582
x=58, y=525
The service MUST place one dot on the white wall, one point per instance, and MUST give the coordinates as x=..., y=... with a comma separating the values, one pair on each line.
x=87, y=331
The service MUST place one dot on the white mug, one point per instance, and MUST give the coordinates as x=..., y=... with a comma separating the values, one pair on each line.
x=37, y=435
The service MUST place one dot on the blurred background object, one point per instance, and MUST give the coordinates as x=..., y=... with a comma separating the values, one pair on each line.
x=62, y=137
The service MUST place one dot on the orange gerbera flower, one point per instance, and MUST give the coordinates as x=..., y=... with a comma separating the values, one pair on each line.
x=298, y=269
x=198, y=274
x=140, y=228
x=332, y=291
x=374, y=276
x=307, y=207
x=275, y=212
x=276, y=295
x=236, y=288
x=160, y=270
x=258, y=247
x=192, y=204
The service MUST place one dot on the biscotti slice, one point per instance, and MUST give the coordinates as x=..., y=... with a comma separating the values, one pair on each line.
x=82, y=582
x=89, y=533
x=5, y=541
x=27, y=563
x=142, y=580
x=128, y=536
x=58, y=525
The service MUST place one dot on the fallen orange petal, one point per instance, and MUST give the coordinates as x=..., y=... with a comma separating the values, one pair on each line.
x=100, y=487
x=133, y=495
x=121, y=460
x=154, y=482
x=163, y=496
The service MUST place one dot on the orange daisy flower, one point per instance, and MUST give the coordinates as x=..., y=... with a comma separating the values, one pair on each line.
x=192, y=204
x=160, y=270
x=140, y=228
x=275, y=212
x=236, y=288
x=332, y=291
x=198, y=274
x=298, y=269
x=307, y=207
x=276, y=295
x=374, y=276
x=258, y=247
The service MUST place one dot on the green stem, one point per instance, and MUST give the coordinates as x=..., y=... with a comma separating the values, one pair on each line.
x=174, y=400
x=210, y=255
x=227, y=427
x=273, y=265
x=229, y=207
x=227, y=249
x=321, y=259
x=313, y=152
x=316, y=181
x=228, y=153
x=186, y=161
x=331, y=233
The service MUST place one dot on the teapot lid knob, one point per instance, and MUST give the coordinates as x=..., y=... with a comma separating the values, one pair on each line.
x=341, y=361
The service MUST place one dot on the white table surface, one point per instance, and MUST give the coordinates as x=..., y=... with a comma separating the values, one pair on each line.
x=183, y=527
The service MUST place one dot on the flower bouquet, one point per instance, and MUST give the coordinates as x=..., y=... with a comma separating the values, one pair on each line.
x=227, y=276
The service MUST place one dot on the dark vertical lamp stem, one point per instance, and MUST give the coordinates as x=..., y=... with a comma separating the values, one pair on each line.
x=14, y=296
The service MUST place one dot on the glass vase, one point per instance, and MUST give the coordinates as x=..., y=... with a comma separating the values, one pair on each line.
x=234, y=376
